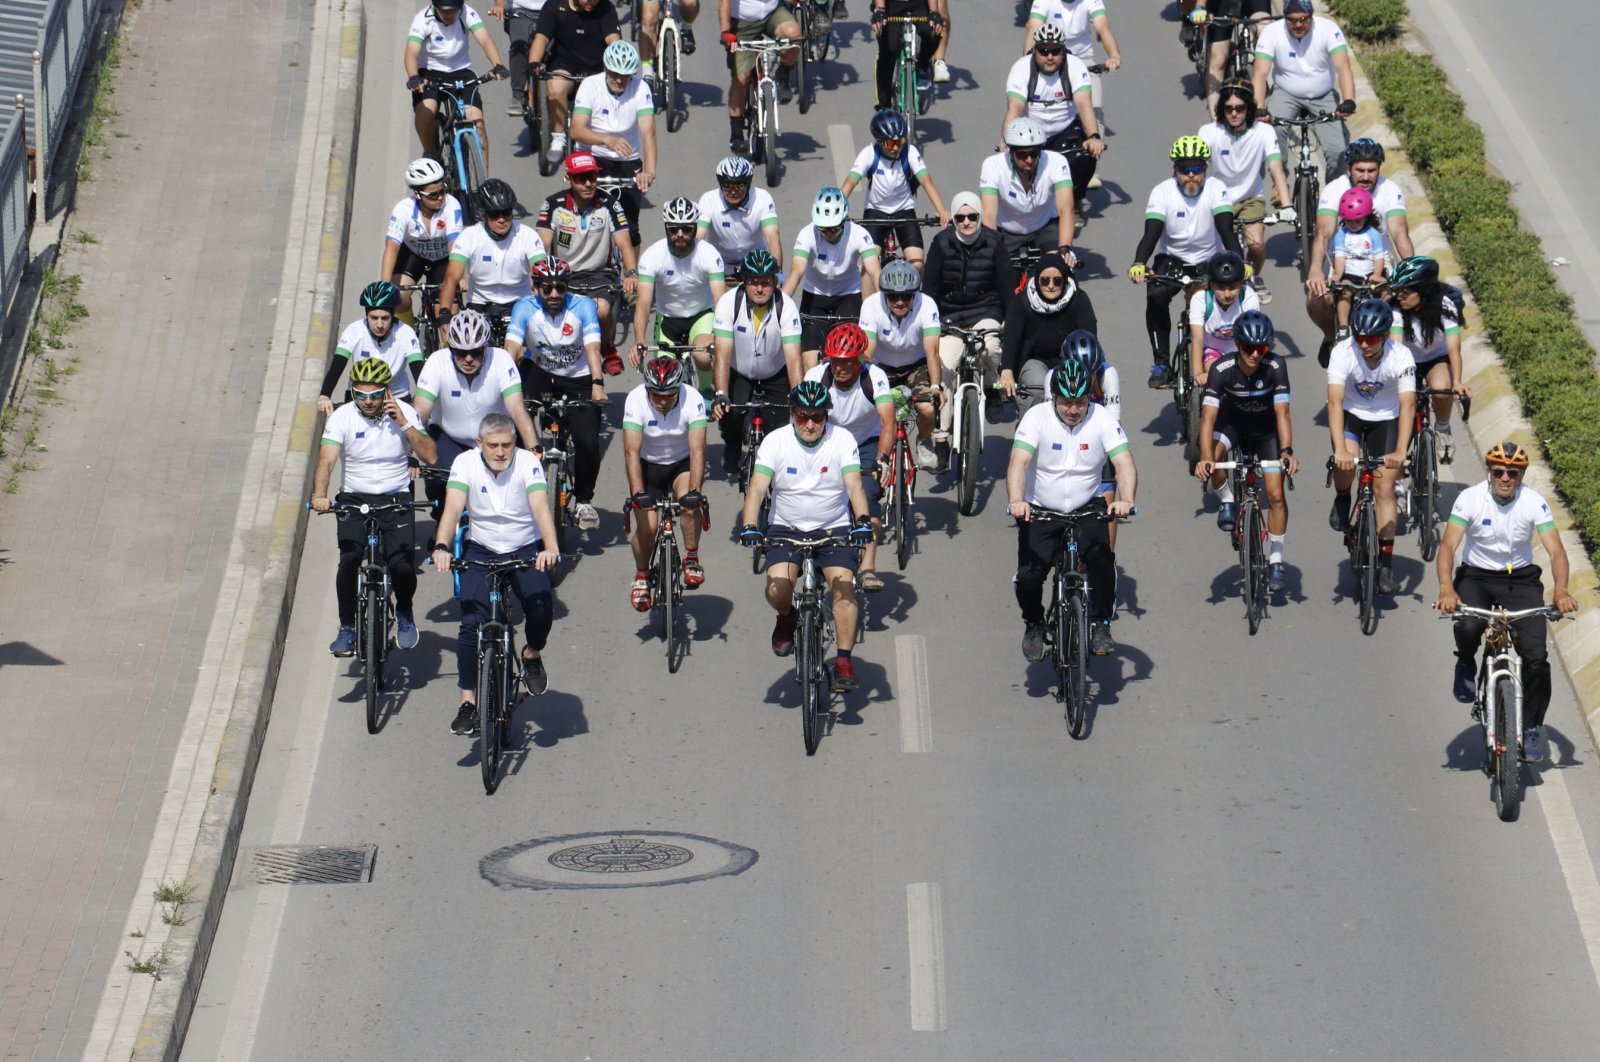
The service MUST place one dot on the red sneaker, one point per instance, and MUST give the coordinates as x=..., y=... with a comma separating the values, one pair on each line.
x=844, y=675
x=611, y=362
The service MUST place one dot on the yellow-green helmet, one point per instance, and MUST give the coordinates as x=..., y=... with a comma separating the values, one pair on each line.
x=1190, y=149
x=374, y=371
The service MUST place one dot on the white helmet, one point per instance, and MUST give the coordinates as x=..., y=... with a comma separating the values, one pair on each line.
x=621, y=58
x=1025, y=132
x=423, y=172
x=1049, y=33
x=830, y=208
x=680, y=211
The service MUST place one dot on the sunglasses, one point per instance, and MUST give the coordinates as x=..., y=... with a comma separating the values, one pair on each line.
x=966, y=217
x=1050, y=51
x=893, y=143
x=810, y=416
x=1024, y=153
x=1193, y=169
x=1052, y=282
x=497, y=215
x=680, y=230
x=1254, y=352
x=458, y=352
x=369, y=396
x=760, y=282
x=430, y=193
x=556, y=286
x=1234, y=108
x=1505, y=473
x=583, y=178
x=1299, y=20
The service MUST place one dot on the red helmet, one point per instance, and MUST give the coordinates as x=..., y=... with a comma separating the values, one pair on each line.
x=663, y=375
x=845, y=341
x=551, y=267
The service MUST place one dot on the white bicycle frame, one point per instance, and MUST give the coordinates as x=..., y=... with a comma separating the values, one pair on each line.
x=766, y=50
x=971, y=391
x=669, y=24
x=1504, y=666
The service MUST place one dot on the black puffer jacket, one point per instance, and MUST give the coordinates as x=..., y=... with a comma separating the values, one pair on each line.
x=972, y=282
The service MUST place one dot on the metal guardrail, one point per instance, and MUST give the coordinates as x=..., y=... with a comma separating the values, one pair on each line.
x=13, y=206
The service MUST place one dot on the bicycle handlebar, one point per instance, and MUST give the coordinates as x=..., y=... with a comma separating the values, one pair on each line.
x=461, y=564
x=1306, y=123
x=336, y=508
x=927, y=220
x=809, y=544
x=1181, y=280
x=1041, y=514
x=1549, y=612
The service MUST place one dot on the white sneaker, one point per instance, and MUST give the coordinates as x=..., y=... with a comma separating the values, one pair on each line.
x=941, y=72
x=927, y=460
x=1533, y=744
x=558, y=148
x=1094, y=182
x=586, y=516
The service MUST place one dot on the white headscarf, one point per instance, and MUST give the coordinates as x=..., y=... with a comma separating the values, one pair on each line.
x=970, y=201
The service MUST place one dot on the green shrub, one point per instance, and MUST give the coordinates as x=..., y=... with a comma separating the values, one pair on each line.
x=1369, y=20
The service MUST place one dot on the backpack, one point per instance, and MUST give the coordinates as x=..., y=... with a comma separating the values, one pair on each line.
x=1457, y=301
x=905, y=167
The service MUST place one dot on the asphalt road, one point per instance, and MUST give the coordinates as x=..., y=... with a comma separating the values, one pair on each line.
x=1268, y=848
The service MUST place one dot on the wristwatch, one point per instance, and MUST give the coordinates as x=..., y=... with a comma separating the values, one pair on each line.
x=1286, y=450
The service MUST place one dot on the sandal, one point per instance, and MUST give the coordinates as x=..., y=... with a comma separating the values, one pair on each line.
x=640, y=596
x=870, y=581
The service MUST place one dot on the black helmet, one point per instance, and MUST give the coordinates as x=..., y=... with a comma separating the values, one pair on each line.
x=1253, y=329
x=1418, y=271
x=380, y=295
x=1364, y=150
x=1070, y=380
x=759, y=263
x=496, y=196
x=1372, y=317
x=810, y=394
x=1226, y=269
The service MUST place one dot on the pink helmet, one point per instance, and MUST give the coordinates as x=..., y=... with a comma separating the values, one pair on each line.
x=1355, y=204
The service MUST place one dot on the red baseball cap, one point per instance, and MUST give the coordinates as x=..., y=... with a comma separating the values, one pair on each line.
x=581, y=162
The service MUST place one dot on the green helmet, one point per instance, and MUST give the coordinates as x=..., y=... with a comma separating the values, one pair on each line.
x=1418, y=271
x=380, y=295
x=373, y=371
x=1071, y=380
x=810, y=394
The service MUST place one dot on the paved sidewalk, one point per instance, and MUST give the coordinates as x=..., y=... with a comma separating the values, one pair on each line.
x=113, y=552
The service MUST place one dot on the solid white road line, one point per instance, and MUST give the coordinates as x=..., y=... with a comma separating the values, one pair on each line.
x=842, y=150
x=1576, y=867
x=911, y=691
x=925, y=930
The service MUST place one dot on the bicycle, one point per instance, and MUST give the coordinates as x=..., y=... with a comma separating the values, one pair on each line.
x=813, y=630
x=666, y=563
x=459, y=542
x=499, y=666
x=898, y=527
x=550, y=412
x=374, y=604
x=1361, y=536
x=1307, y=185
x=755, y=430
x=669, y=67
x=1186, y=394
x=1241, y=46
x=1497, y=701
x=761, y=130
x=1420, y=504
x=460, y=148
x=968, y=413
x=889, y=244
x=428, y=320
x=536, y=117
x=815, y=45
x=1250, y=530
x=910, y=98
x=1067, y=631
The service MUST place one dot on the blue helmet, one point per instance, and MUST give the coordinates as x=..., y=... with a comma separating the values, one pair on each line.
x=1372, y=317
x=1082, y=347
x=1253, y=329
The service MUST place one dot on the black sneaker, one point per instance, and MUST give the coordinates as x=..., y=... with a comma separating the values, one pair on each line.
x=1465, y=683
x=534, y=677
x=739, y=144
x=466, y=721
x=785, y=91
x=1100, y=643
x=839, y=10
x=1033, y=642
x=1324, y=352
x=1385, y=580
x=1339, y=515
x=686, y=39
x=731, y=460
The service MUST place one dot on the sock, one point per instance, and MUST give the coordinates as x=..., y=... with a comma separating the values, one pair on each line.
x=1385, y=552
x=1225, y=493
x=736, y=124
x=690, y=556
x=641, y=575
x=1275, y=548
x=1442, y=427
x=844, y=654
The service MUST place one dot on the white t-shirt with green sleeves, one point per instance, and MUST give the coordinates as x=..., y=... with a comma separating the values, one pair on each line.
x=665, y=435
x=502, y=517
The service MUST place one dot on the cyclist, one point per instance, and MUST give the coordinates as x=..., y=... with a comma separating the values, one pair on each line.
x=1214, y=313
x=691, y=277
x=492, y=257
x=815, y=479
x=970, y=276
x=437, y=51
x=458, y=386
x=1363, y=160
x=902, y=328
x=1187, y=221
x=376, y=336
x=1219, y=38
x=422, y=228
x=1105, y=389
x=588, y=229
x=1051, y=86
x=1241, y=150
x=1245, y=410
x=664, y=448
x=376, y=434
x=1051, y=307
x=894, y=171
x=1372, y=401
x=520, y=18
x=1056, y=459
x=1027, y=192
x=502, y=490
x=928, y=34
x=1310, y=66
x=1359, y=251
x=863, y=405
x=757, y=359
x=557, y=337
x=751, y=20
x=1081, y=21
x=1427, y=319
x=736, y=218
x=614, y=117
x=650, y=22
x=569, y=43
x=1496, y=521
x=834, y=266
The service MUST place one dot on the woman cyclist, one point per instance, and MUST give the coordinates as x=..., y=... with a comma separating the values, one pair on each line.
x=1427, y=319
x=422, y=228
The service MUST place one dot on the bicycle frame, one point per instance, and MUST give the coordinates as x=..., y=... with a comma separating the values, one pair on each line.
x=969, y=382
x=462, y=135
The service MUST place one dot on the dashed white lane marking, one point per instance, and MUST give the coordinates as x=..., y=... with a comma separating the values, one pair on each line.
x=911, y=691
x=1573, y=853
x=841, y=150
x=925, y=930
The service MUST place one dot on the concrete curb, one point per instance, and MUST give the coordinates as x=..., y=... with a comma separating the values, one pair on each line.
x=283, y=520
x=1496, y=409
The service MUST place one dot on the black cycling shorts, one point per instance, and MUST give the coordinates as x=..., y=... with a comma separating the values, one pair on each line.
x=1233, y=9
x=1375, y=437
x=1256, y=439
x=908, y=232
x=410, y=263
x=431, y=89
x=658, y=479
x=847, y=557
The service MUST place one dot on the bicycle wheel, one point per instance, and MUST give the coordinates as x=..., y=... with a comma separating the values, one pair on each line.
x=538, y=122
x=1075, y=655
x=769, y=134
x=375, y=630
x=1252, y=563
x=971, y=429
x=803, y=91
x=633, y=30
x=1507, y=761
x=666, y=561
x=1425, y=494
x=906, y=95
x=667, y=63
x=1367, y=548
x=905, y=475
x=758, y=556
x=489, y=697
x=813, y=699
x=1305, y=205
x=555, y=476
x=471, y=173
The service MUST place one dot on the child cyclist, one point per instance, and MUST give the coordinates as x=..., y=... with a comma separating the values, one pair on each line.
x=1360, y=250
x=894, y=170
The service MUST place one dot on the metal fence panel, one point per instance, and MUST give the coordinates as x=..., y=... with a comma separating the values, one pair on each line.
x=13, y=206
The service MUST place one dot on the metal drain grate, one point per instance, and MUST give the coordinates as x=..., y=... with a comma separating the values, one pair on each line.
x=290, y=864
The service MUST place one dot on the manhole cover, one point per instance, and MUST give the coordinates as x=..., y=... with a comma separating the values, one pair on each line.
x=621, y=856
x=623, y=859
x=290, y=864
